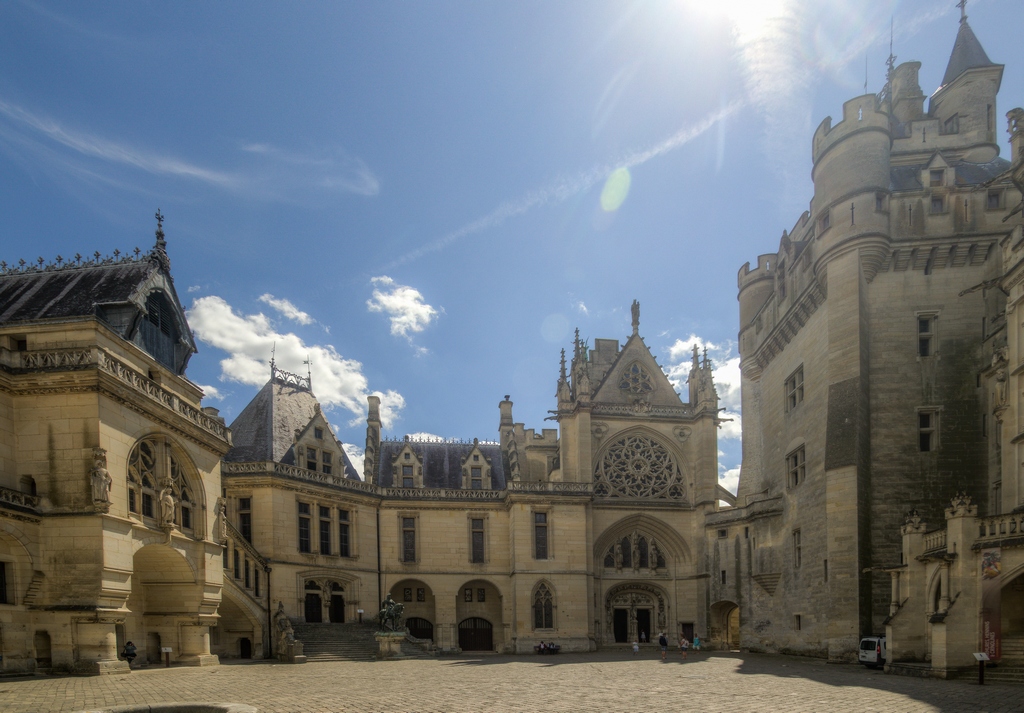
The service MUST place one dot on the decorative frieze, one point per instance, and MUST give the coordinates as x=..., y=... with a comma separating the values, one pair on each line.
x=19, y=499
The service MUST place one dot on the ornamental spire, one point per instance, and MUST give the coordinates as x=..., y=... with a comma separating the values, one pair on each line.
x=159, y=251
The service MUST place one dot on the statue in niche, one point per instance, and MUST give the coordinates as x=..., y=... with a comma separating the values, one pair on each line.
x=166, y=507
x=101, y=480
x=618, y=555
x=652, y=554
x=634, y=542
x=1001, y=387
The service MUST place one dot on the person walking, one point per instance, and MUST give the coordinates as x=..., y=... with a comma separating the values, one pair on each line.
x=684, y=646
x=696, y=642
x=636, y=647
x=663, y=643
x=129, y=652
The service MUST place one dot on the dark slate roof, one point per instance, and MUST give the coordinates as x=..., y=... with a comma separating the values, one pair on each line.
x=442, y=462
x=967, y=54
x=73, y=291
x=265, y=430
x=908, y=178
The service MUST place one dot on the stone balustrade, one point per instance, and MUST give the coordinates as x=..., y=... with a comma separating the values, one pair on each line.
x=998, y=527
x=19, y=499
x=935, y=541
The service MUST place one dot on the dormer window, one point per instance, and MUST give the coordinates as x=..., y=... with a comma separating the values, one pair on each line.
x=408, y=480
x=936, y=177
x=158, y=331
x=476, y=477
x=318, y=434
x=311, y=458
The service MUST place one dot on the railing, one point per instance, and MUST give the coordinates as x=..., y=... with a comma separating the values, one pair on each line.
x=996, y=527
x=19, y=499
x=236, y=538
x=522, y=486
x=236, y=542
x=442, y=494
x=292, y=471
x=142, y=385
x=935, y=541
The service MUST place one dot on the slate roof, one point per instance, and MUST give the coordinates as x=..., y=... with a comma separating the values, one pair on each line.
x=73, y=291
x=967, y=54
x=442, y=462
x=908, y=178
x=265, y=430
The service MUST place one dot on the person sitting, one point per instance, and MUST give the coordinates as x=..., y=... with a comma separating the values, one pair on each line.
x=129, y=652
x=543, y=648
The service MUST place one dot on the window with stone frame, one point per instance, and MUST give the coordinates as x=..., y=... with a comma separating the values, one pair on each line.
x=928, y=429
x=326, y=462
x=543, y=608
x=408, y=539
x=936, y=177
x=795, y=389
x=926, y=337
x=796, y=467
x=325, y=530
x=797, y=550
x=305, y=538
x=4, y=598
x=245, y=518
x=938, y=204
x=540, y=535
x=994, y=200
x=311, y=458
x=476, y=540
x=344, y=534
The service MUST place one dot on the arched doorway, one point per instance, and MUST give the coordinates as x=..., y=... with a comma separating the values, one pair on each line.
x=337, y=608
x=420, y=628
x=314, y=604
x=163, y=586
x=635, y=611
x=1012, y=620
x=476, y=634
x=419, y=604
x=725, y=625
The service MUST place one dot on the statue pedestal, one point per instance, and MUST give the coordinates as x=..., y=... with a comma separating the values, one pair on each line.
x=389, y=644
x=290, y=652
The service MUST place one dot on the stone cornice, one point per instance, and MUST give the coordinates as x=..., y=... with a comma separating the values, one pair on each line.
x=784, y=331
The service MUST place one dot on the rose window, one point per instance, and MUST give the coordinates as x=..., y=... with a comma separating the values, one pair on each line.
x=638, y=467
x=636, y=380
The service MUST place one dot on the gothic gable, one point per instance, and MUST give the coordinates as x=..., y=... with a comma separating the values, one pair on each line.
x=634, y=376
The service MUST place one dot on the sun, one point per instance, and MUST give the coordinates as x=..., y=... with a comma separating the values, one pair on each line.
x=748, y=17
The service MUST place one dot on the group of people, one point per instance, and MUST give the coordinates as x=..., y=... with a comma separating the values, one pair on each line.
x=684, y=644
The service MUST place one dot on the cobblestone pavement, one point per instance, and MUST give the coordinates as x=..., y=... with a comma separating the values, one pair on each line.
x=604, y=681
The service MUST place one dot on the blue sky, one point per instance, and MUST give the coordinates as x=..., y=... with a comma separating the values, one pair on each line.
x=427, y=198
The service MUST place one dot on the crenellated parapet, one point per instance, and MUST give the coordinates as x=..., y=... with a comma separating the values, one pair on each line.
x=860, y=114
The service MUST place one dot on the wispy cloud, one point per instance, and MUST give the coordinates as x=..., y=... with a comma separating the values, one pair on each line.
x=286, y=308
x=404, y=305
x=211, y=392
x=564, y=188
x=250, y=340
x=263, y=171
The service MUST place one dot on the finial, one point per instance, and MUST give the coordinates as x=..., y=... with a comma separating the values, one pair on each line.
x=963, y=11
x=891, y=61
x=273, y=353
x=160, y=249
x=309, y=375
x=696, y=352
x=562, y=373
x=635, y=309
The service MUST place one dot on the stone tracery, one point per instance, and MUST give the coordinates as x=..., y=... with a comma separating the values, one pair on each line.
x=636, y=466
x=636, y=380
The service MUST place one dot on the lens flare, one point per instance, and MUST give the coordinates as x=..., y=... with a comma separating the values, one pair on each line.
x=615, y=190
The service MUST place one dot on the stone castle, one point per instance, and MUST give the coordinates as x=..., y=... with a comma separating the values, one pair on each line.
x=880, y=378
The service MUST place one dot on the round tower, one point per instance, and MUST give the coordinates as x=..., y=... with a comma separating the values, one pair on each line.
x=755, y=287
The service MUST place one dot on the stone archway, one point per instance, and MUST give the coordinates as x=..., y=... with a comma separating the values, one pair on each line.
x=420, y=605
x=725, y=625
x=634, y=611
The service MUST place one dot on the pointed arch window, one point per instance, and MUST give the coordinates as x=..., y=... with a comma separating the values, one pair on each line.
x=543, y=608
x=153, y=466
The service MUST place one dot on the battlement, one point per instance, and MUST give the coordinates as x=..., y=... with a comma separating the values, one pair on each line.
x=547, y=436
x=859, y=113
x=765, y=270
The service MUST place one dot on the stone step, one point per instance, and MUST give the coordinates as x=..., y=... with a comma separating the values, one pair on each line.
x=345, y=642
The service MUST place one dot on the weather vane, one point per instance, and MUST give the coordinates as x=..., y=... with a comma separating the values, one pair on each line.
x=963, y=10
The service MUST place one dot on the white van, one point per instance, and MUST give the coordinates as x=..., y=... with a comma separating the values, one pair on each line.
x=872, y=651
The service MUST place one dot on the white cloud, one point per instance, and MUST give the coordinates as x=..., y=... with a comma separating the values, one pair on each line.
x=194, y=288
x=725, y=370
x=403, y=304
x=730, y=480
x=250, y=340
x=211, y=392
x=286, y=308
x=581, y=307
x=355, y=454
x=424, y=436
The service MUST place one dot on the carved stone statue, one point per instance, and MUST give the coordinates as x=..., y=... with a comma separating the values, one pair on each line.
x=635, y=310
x=618, y=555
x=166, y=507
x=634, y=541
x=101, y=480
x=652, y=554
x=1001, y=387
x=222, y=522
x=285, y=632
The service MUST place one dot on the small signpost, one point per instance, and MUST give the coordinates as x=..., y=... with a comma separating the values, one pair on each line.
x=166, y=651
x=981, y=659
x=360, y=612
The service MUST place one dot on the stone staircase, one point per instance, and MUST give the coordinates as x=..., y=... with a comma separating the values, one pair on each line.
x=345, y=642
x=1011, y=668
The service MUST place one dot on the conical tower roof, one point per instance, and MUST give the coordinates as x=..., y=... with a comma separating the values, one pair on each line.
x=967, y=54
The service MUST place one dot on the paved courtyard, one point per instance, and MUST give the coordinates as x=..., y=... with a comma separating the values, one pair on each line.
x=606, y=681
